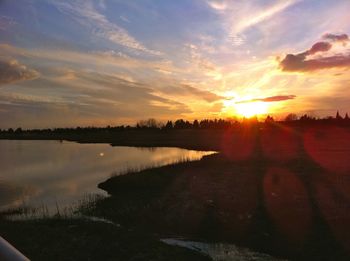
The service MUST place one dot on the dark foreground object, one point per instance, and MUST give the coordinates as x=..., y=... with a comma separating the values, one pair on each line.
x=68, y=239
x=278, y=191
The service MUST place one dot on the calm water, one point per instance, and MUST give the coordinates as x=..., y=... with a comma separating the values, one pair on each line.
x=50, y=173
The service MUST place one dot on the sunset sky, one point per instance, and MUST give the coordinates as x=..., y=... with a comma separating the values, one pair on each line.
x=83, y=62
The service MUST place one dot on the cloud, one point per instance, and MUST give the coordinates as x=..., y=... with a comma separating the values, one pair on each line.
x=239, y=16
x=295, y=63
x=90, y=99
x=237, y=39
x=86, y=59
x=187, y=90
x=85, y=14
x=6, y=22
x=204, y=65
x=218, y=5
x=124, y=18
x=271, y=99
x=102, y=4
x=300, y=62
x=263, y=15
x=12, y=71
x=319, y=47
x=336, y=38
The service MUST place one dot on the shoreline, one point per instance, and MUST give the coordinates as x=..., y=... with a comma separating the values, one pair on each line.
x=264, y=190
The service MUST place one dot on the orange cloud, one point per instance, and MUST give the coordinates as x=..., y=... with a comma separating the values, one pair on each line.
x=187, y=90
x=271, y=99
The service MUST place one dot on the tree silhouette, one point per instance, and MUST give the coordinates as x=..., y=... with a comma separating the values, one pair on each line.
x=169, y=125
x=269, y=119
x=291, y=117
x=338, y=117
x=150, y=123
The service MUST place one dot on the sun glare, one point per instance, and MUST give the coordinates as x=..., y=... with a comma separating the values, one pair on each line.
x=250, y=109
x=246, y=109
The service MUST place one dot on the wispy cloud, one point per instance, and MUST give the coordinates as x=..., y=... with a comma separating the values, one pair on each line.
x=12, y=71
x=270, y=99
x=205, y=66
x=241, y=15
x=218, y=5
x=89, y=98
x=72, y=57
x=238, y=16
x=86, y=14
x=124, y=18
x=185, y=90
x=262, y=15
x=6, y=22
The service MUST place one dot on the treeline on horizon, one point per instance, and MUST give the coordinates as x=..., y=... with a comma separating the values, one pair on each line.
x=152, y=124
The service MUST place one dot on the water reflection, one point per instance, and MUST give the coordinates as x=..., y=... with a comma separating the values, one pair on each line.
x=36, y=173
x=220, y=251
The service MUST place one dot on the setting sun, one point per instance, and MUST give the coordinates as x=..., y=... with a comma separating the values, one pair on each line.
x=246, y=107
x=249, y=109
x=228, y=119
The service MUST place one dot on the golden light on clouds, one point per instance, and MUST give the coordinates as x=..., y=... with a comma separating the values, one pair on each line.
x=92, y=67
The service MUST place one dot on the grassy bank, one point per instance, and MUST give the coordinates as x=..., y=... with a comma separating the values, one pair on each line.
x=79, y=239
x=279, y=206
